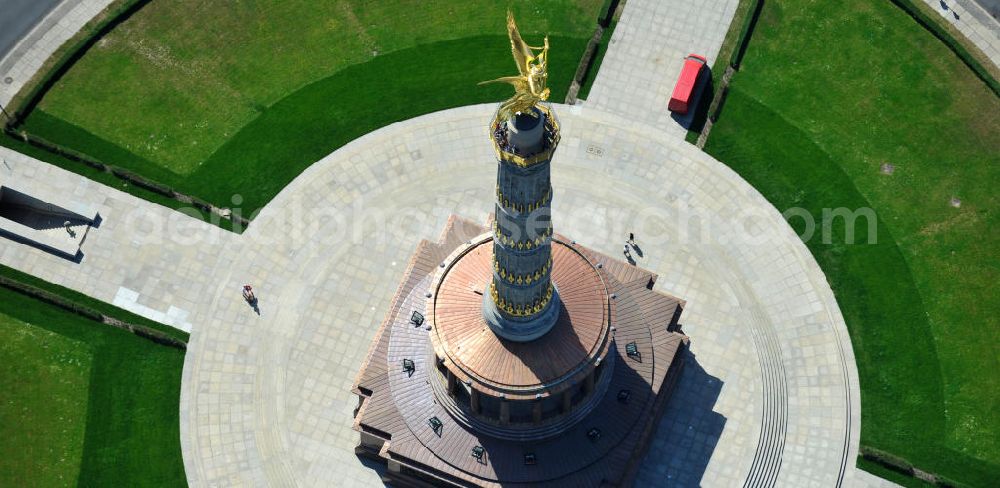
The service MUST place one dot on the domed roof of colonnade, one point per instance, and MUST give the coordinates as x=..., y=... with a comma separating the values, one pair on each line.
x=461, y=335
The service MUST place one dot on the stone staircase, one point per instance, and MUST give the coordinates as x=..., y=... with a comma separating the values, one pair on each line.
x=774, y=418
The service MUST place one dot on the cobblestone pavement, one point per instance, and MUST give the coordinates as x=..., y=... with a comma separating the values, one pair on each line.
x=771, y=394
x=972, y=20
x=142, y=256
x=646, y=52
x=27, y=56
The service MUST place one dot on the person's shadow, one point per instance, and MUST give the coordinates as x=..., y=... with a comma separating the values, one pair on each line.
x=637, y=249
x=252, y=301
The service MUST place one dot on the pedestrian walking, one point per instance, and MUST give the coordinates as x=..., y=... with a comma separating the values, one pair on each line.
x=248, y=294
x=627, y=252
x=631, y=238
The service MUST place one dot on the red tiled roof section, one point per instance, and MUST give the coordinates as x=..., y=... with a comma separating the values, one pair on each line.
x=469, y=342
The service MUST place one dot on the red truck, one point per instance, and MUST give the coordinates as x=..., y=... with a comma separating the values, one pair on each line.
x=684, y=90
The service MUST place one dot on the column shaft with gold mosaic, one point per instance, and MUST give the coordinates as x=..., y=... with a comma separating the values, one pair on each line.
x=522, y=303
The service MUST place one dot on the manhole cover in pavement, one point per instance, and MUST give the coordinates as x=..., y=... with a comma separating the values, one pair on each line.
x=8, y=80
x=595, y=150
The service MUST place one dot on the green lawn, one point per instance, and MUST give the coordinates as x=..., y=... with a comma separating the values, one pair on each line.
x=217, y=101
x=43, y=413
x=829, y=91
x=92, y=304
x=84, y=404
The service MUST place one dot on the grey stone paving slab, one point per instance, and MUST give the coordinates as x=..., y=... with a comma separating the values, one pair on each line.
x=162, y=258
x=973, y=21
x=646, y=52
x=26, y=57
x=868, y=480
x=326, y=255
x=265, y=398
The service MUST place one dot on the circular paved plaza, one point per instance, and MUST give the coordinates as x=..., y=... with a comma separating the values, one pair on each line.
x=770, y=391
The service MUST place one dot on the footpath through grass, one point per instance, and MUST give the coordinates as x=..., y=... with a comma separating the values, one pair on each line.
x=84, y=404
x=216, y=101
x=828, y=93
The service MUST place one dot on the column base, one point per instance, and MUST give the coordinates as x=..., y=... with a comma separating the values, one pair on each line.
x=523, y=330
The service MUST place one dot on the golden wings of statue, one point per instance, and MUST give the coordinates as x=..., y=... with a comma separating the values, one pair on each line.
x=529, y=85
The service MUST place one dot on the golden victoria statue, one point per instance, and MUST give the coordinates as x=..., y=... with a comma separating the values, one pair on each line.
x=529, y=85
